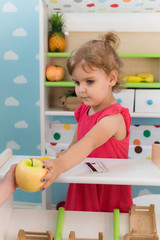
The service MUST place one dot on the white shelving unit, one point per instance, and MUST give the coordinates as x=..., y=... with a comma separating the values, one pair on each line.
x=140, y=52
x=134, y=49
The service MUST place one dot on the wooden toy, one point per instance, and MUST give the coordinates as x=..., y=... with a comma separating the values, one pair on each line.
x=142, y=223
x=26, y=235
x=116, y=224
x=73, y=237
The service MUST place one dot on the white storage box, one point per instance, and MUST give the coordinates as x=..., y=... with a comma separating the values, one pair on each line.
x=147, y=101
x=126, y=98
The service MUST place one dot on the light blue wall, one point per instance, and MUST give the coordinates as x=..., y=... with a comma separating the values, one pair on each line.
x=19, y=87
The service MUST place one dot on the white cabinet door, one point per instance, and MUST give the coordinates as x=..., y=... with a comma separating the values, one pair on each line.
x=126, y=98
x=147, y=101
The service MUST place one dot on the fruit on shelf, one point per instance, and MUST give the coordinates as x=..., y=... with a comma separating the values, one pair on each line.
x=147, y=77
x=141, y=77
x=29, y=174
x=54, y=73
x=57, y=42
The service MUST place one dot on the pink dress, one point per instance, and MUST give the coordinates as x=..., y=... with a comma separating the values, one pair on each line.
x=101, y=197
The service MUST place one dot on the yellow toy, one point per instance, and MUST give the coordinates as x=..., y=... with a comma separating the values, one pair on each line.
x=141, y=77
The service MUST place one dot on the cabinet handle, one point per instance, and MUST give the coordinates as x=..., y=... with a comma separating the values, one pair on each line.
x=149, y=101
x=119, y=100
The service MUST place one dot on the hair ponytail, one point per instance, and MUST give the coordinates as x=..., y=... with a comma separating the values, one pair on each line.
x=112, y=39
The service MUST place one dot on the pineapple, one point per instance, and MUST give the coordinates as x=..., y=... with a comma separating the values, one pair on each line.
x=57, y=42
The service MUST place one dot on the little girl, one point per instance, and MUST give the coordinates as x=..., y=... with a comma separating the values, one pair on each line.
x=103, y=126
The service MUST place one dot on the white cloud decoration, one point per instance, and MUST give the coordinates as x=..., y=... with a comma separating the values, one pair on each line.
x=38, y=103
x=144, y=192
x=37, y=8
x=11, y=101
x=19, y=32
x=39, y=147
x=37, y=57
x=21, y=124
x=9, y=7
x=10, y=55
x=20, y=80
x=12, y=144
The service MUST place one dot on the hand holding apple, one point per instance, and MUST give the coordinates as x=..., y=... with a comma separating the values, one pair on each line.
x=29, y=174
x=54, y=73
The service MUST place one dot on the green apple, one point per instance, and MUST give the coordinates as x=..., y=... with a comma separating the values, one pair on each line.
x=29, y=174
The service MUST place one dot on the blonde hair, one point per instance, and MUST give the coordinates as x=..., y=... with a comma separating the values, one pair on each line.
x=99, y=54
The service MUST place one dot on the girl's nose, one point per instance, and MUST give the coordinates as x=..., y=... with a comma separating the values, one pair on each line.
x=82, y=88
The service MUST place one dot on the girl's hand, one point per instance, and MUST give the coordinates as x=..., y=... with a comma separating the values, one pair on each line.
x=9, y=179
x=54, y=172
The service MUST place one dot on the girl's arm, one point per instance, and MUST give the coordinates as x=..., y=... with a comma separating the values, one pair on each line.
x=8, y=185
x=106, y=128
x=74, y=140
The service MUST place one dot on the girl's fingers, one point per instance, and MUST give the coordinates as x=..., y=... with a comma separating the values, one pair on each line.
x=46, y=185
x=49, y=175
x=48, y=180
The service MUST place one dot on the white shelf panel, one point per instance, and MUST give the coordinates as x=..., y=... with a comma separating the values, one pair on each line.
x=121, y=171
x=61, y=112
x=145, y=115
x=85, y=224
x=58, y=112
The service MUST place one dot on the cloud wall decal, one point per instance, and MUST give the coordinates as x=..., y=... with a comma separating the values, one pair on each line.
x=11, y=101
x=10, y=55
x=9, y=7
x=21, y=124
x=20, y=80
x=19, y=32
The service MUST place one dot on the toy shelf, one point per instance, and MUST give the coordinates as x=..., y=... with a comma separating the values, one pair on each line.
x=143, y=85
x=120, y=171
x=59, y=111
x=134, y=55
x=127, y=85
x=59, y=84
x=58, y=54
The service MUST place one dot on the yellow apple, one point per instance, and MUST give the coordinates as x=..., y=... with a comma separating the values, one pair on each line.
x=29, y=174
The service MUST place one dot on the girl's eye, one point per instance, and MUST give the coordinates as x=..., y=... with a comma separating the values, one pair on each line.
x=76, y=82
x=90, y=81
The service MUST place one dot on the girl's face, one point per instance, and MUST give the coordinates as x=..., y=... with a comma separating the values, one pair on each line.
x=94, y=87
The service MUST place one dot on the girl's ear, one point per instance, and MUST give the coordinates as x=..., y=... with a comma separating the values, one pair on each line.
x=113, y=77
